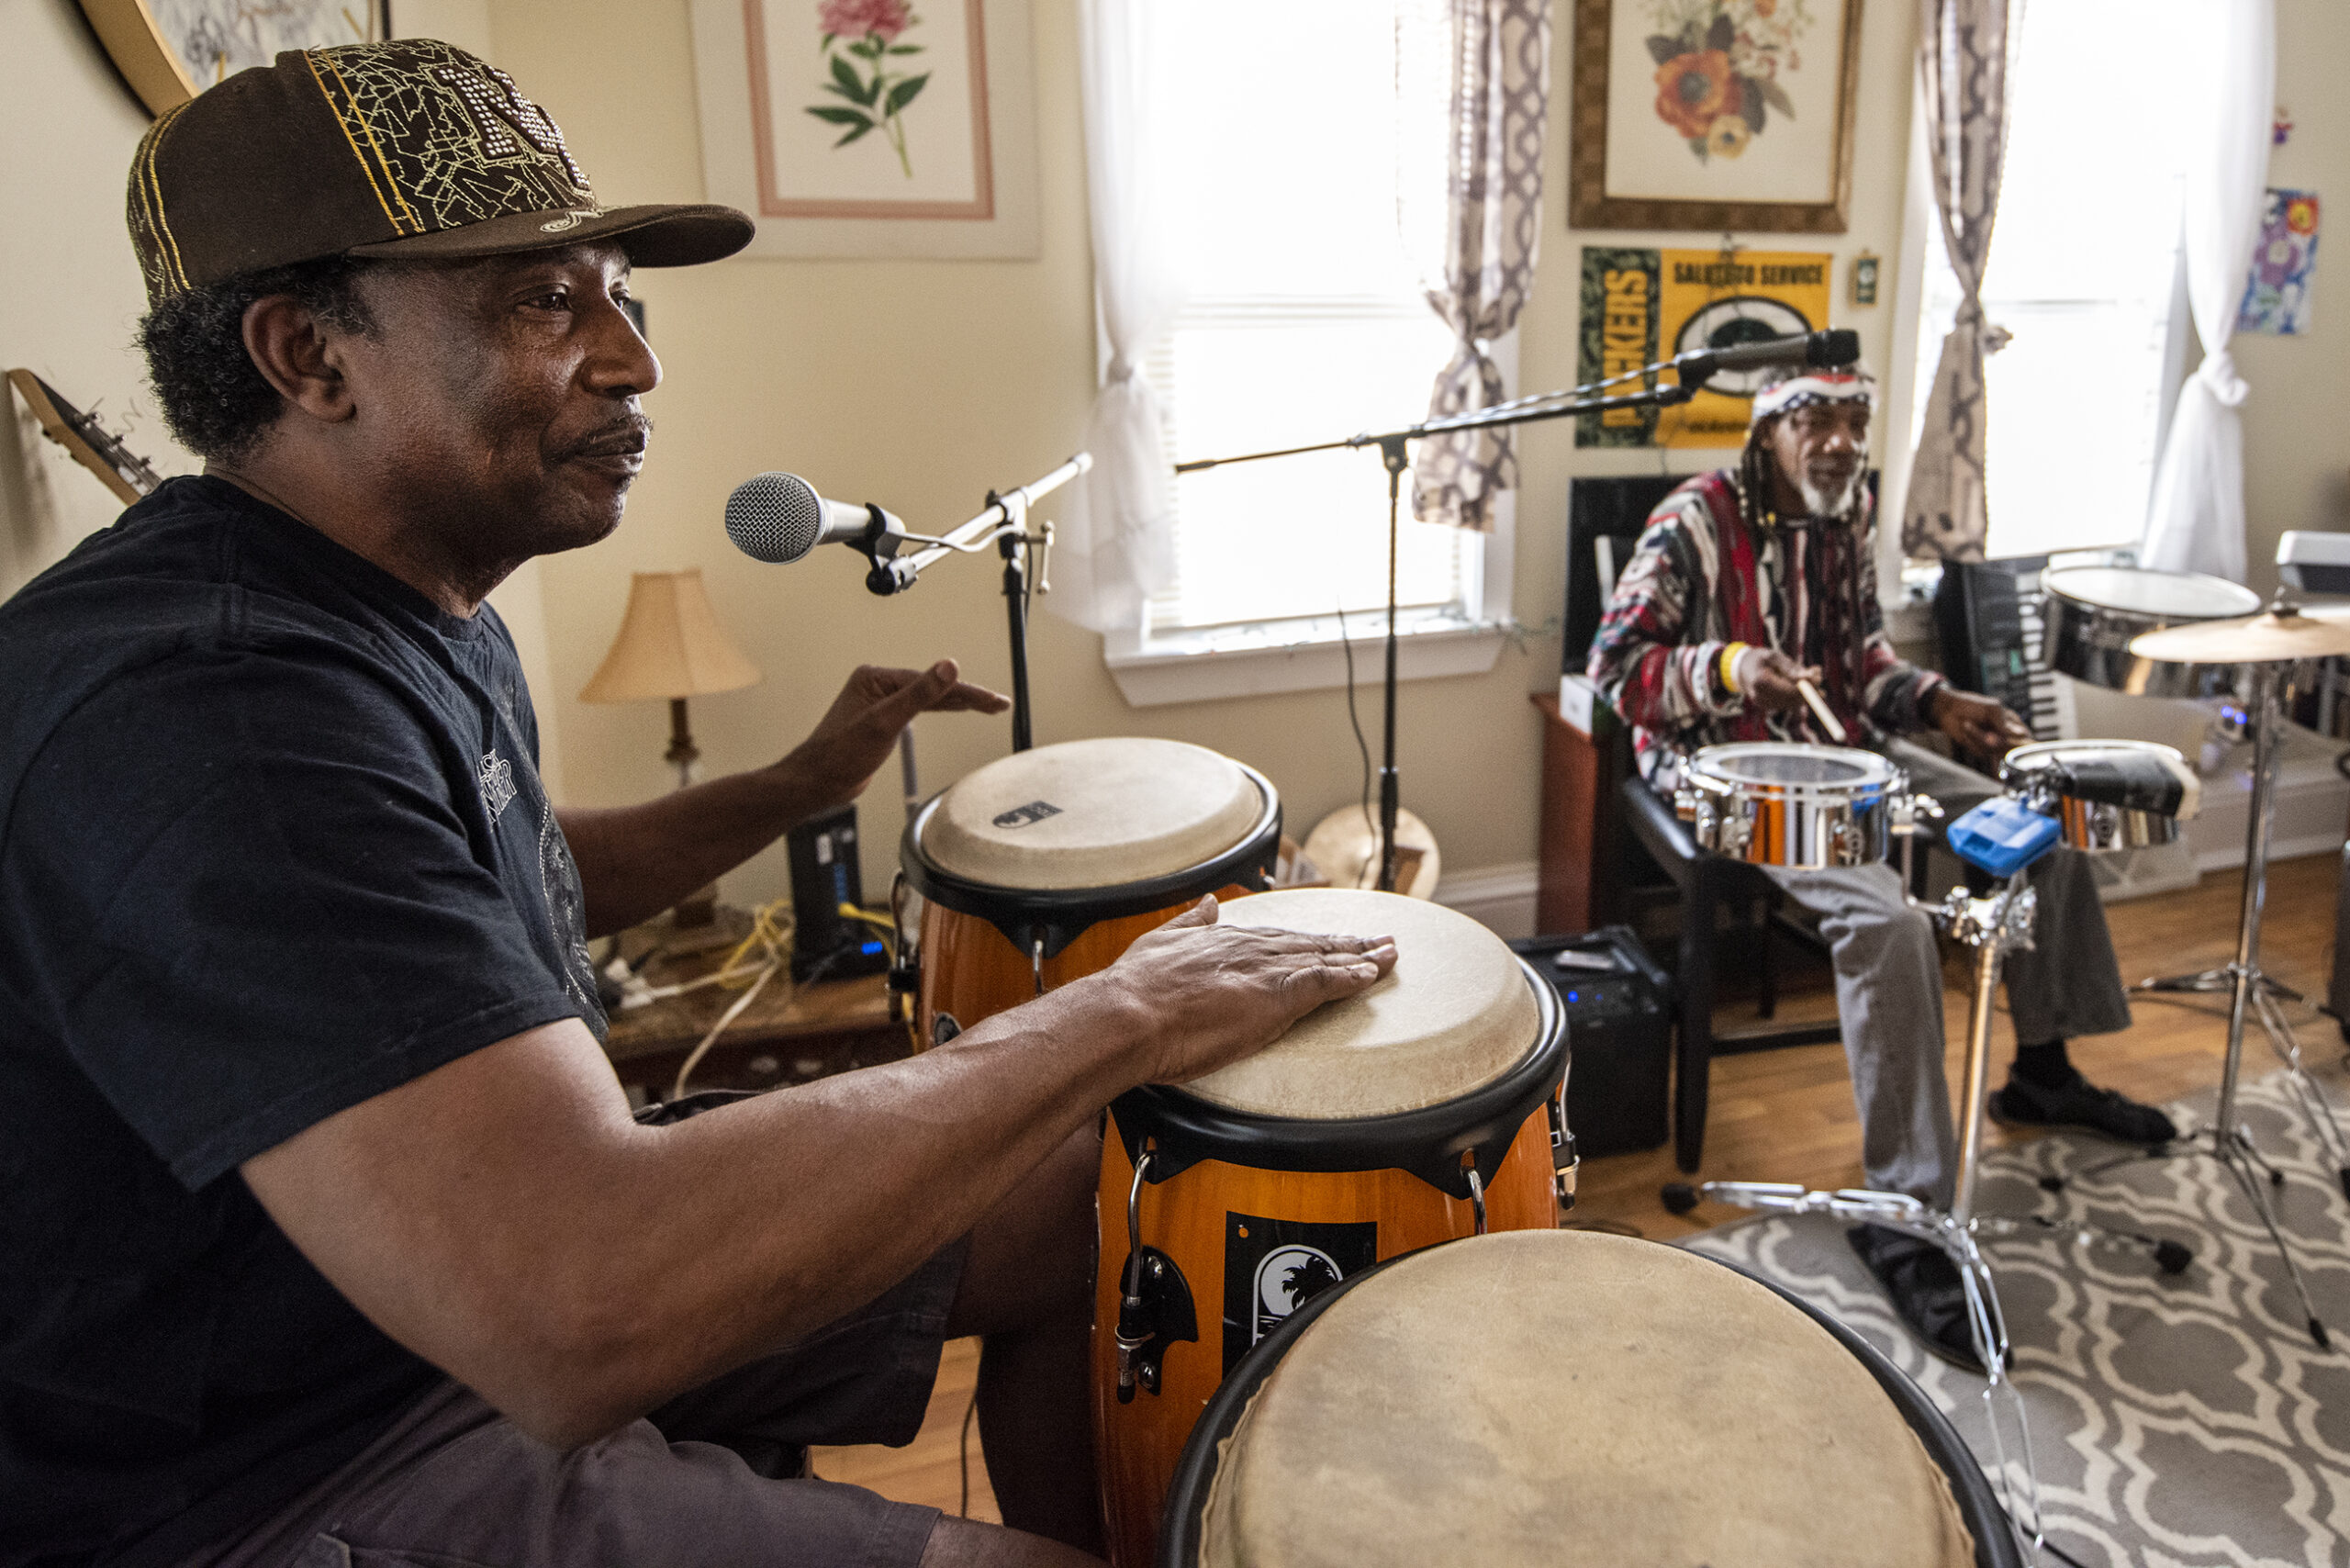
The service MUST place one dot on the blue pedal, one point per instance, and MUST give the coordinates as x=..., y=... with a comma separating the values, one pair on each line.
x=2002, y=835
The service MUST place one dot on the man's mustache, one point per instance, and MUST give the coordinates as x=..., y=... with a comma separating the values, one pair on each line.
x=628, y=434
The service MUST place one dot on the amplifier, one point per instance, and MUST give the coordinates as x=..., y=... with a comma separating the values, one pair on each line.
x=1619, y=1034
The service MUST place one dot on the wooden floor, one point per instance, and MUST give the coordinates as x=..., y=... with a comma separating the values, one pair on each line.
x=1786, y=1116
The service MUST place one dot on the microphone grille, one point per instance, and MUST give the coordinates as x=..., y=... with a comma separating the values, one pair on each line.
x=775, y=518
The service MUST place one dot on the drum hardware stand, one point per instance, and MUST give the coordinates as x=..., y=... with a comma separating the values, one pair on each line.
x=1694, y=369
x=2228, y=1139
x=1004, y=524
x=1994, y=926
x=1155, y=1308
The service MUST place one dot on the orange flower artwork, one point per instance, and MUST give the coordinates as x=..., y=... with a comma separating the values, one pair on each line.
x=1718, y=66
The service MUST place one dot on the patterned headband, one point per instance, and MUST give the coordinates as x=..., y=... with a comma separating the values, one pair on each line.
x=1827, y=387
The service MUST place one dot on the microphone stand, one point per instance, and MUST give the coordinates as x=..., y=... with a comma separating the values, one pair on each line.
x=1004, y=524
x=1394, y=446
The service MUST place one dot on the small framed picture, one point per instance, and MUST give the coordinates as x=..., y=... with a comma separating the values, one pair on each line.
x=871, y=127
x=1714, y=115
x=1865, y=278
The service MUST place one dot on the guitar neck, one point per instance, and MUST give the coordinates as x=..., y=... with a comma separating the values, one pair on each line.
x=94, y=446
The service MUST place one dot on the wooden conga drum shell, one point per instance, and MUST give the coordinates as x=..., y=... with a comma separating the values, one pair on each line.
x=1013, y=900
x=1251, y=1209
x=1187, y=1217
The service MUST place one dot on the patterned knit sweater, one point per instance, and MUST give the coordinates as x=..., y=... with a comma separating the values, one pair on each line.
x=1701, y=579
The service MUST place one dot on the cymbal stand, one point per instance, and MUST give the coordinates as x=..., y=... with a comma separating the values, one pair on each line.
x=2228, y=1139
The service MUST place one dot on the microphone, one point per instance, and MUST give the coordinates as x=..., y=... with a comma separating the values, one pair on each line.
x=1832, y=349
x=780, y=517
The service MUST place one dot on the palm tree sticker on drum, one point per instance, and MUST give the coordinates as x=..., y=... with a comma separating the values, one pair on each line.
x=1273, y=1267
x=1719, y=64
x=862, y=37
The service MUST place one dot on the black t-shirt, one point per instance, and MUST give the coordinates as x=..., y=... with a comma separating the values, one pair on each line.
x=272, y=842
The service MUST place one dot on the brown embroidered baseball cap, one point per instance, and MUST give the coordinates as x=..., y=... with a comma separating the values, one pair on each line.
x=410, y=150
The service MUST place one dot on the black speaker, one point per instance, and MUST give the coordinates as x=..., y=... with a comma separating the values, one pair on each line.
x=1619, y=1030
x=824, y=876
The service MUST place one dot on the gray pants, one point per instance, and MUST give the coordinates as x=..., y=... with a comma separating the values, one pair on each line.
x=1889, y=985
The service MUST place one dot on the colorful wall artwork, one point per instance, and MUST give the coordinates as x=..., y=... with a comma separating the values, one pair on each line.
x=2284, y=263
x=1640, y=306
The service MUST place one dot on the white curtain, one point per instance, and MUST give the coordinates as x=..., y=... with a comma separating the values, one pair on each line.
x=2194, y=516
x=1501, y=90
x=1115, y=548
x=1965, y=63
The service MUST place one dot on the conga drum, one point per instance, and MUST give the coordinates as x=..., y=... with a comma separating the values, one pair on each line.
x=1424, y=1108
x=1573, y=1400
x=1045, y=866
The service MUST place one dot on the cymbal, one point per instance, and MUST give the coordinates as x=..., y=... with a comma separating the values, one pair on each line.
x=1345, y=845
x=2301, y=632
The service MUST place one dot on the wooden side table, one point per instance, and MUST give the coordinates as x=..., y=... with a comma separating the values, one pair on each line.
x=786, y=1036
x=1582, y=870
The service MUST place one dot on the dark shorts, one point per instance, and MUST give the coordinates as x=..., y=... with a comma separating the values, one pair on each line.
x=453, y=1485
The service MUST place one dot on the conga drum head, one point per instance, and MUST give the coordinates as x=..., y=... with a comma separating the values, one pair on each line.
x=1091, y=813
x=1563, y=1398
x=1454, y=1014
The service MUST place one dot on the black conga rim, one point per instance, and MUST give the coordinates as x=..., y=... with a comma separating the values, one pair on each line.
x=1184, y=1129
x=1059, y=916
x=1187, y=1494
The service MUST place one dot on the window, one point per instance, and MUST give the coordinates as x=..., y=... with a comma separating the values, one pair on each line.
x=1309, y=201
x=2085, y=273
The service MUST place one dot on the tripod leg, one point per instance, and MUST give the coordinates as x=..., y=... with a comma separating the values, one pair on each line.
x=2231, y=1153
x=2305, y=1090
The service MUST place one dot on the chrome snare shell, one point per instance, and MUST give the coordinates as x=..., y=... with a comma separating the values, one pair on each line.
x=2092, y=612
x=1804, y=807
x=2089, y=826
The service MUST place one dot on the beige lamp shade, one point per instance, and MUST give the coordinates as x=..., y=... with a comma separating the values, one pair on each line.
x=670, y=645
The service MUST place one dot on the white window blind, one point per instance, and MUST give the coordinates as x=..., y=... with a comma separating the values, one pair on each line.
x=2085, y=273
x=1308, y=196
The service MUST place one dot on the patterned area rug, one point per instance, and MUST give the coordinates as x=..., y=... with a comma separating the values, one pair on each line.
x=2177, y=1422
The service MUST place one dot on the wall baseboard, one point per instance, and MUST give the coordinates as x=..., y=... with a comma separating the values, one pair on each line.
x=1500, y=897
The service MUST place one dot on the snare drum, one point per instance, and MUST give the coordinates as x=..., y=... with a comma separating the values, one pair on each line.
x=1780, y=803
x=2092, y=612
x=1570, y=1399
x=1376, y=1125
x=2088, y=825
x=1045, y=866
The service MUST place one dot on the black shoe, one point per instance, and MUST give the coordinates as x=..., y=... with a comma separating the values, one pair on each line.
x=1924, y=1287
x=2079, y=1103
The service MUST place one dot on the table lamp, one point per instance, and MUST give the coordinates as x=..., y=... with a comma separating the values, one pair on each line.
x=670, y=645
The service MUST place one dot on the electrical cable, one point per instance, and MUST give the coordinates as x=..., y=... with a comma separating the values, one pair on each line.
x=1354, y=719
x=964, y=1446
x=771, y=929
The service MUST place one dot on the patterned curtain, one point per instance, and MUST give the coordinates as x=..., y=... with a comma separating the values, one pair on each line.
x=1501, y=91
x=1966, y=58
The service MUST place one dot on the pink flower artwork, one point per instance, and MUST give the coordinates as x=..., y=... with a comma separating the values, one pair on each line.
x=865, y=61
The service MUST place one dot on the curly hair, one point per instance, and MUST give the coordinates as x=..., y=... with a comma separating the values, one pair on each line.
x=213, y=396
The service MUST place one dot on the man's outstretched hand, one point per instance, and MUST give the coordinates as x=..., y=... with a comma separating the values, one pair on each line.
x=1976, y=723
x=852, y=740
x=1215, y=993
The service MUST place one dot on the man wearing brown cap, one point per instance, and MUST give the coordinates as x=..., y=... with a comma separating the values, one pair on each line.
x=326, y=1236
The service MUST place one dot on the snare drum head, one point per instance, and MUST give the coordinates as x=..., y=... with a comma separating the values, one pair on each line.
x=1094, y=813
x=1456, y=1012
x=1786, y=764
x=1568, y=1397
x=2179, y=595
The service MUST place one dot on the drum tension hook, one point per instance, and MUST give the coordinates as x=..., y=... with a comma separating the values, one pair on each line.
x=1154, y=1307
x=1476, y=1188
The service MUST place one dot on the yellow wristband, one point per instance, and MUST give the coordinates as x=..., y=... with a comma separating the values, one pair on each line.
x=1729, y=665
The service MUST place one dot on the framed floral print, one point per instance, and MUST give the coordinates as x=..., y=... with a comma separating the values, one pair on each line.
x=871, y=127
x=1715, y=114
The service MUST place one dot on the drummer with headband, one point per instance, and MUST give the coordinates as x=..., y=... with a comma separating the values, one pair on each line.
x=1749, y=613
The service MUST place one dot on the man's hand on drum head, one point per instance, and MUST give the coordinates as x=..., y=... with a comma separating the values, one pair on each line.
x=853, y=739
x=1220, y=993
x=1769, y=678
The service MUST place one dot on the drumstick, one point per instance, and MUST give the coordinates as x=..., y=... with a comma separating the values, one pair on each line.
x=1820, y=710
